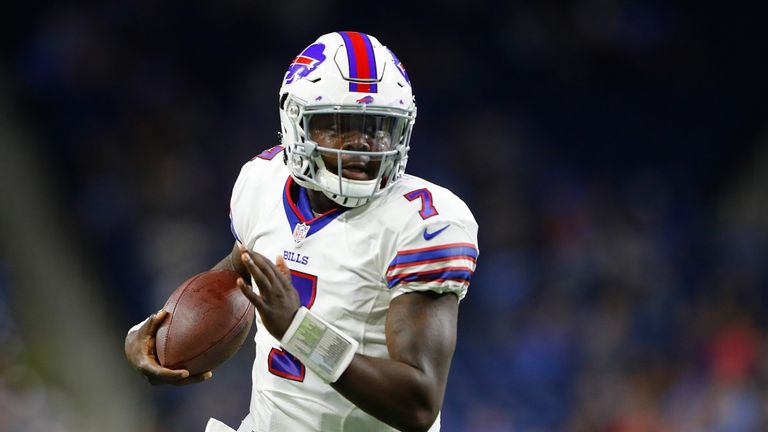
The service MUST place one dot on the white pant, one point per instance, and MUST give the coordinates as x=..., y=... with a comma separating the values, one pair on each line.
x=217, y=426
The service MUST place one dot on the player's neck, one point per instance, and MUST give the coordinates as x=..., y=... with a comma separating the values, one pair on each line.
x=319, y=202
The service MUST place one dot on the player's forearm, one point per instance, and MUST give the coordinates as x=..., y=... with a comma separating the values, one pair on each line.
x=396, y=393
x=224, y=264
x=232, y=262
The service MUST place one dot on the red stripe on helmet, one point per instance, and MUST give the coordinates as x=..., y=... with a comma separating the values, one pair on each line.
x=362, y=60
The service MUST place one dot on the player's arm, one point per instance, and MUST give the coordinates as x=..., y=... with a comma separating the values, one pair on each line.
x=405, y=391
x=233, y=262
x=140, y=340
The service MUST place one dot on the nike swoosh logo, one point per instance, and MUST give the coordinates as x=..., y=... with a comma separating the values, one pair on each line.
x=430, y=235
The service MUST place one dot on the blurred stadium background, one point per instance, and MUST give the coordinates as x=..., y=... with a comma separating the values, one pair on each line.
x=615, y=153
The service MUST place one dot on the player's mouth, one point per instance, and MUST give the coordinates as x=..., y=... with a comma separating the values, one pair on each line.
x=356, y=171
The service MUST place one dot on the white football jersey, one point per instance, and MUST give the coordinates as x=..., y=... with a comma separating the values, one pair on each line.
x=347, y=265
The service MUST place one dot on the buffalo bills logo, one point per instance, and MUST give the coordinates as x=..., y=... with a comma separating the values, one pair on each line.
x=365, y=100
x=400, y=67
x=305, y=63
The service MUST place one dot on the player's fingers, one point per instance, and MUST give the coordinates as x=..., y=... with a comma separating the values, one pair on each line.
x=258, y=275
x=283, y=267
x=266, y=267
x=192, y=379
x=262, y=263
x=247, y=290
x=156, y=373
x=150, y=363
x=171, y=374
x=154, y=321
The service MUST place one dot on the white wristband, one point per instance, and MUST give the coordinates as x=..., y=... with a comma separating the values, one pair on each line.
x=323, y=348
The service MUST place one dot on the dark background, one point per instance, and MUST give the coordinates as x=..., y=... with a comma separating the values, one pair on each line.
x=614, y=153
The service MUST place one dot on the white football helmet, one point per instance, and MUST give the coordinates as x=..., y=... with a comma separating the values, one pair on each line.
x=349, y=89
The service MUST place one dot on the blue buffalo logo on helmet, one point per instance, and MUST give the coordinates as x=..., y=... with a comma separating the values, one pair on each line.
x=365, y=100
x=400, y=67
x=305, y=63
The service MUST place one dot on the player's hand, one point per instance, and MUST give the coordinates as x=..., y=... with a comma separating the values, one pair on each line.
x=140, y=351
x=277, y=300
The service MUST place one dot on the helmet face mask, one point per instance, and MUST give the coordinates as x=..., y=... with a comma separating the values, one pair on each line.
x=345, y=127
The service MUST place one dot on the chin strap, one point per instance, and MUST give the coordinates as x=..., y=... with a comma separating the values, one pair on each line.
x=346, y=201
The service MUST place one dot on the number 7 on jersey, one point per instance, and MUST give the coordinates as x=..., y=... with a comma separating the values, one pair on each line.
x=281, y=362
x=427, y=208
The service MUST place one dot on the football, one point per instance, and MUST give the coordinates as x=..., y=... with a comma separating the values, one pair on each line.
x=209, y=319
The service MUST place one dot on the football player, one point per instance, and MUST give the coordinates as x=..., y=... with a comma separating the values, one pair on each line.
x=357, y=314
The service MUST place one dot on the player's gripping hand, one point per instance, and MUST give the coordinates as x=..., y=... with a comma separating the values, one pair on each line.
x=140, y=351
x=277, y=300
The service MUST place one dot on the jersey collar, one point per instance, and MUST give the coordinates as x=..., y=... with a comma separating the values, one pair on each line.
x=300, y=212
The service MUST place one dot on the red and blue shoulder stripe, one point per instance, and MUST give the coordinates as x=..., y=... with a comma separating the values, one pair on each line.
x=270, y=153
x=449, y=262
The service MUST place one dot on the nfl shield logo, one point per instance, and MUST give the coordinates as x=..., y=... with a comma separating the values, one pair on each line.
x=300, y=232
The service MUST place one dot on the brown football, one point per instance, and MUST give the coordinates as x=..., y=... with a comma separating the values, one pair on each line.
x=209, y=319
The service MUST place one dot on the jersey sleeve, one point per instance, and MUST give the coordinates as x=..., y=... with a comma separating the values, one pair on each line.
x=243, y=205
x=236, y=217
x=435, y=254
